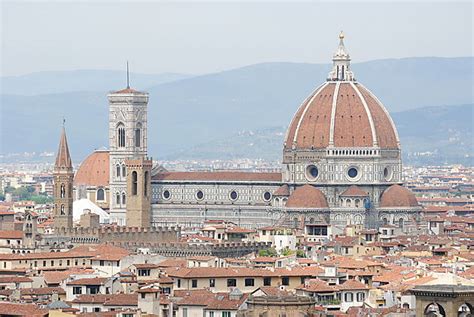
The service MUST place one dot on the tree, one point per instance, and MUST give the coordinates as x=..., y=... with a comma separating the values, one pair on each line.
x=286, y=252
x=268, y=252
x=41, y=199
x=300, y=254
x=9, y=189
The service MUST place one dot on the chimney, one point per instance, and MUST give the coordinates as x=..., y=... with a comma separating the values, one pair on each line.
x=54, y=297
x=15, y=295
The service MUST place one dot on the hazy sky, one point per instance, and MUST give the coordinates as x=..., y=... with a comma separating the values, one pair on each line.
x=200, y=37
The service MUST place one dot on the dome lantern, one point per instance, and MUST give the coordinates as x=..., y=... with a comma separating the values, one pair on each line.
x=341, y=70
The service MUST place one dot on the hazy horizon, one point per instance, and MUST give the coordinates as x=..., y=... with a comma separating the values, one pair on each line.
x=198, y=38
x=218, y=71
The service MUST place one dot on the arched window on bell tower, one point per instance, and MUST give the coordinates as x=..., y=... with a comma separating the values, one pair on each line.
x=138, y=135
x=62, y=209
x=120, y=135
x=117, y=170
x=63, y=191
x=134, y=183
x=145, y=184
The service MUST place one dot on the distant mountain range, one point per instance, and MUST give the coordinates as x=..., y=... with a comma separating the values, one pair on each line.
x=42, y=83
x=446, y=138
x=186, y=111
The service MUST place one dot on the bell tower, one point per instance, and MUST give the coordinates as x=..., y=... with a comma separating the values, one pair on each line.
x=127, y=139
x=139, y=192
x=63, y=180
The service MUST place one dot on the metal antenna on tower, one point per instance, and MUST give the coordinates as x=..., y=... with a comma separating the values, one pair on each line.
x=128, y=77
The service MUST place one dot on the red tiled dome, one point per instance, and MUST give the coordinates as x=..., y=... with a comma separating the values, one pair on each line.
x=283, y=190
x=354, y=191
x=307, y=196
x=94, y=170
x=342, y=114
x=398, y=196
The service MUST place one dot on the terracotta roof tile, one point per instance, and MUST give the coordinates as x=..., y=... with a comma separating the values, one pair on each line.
x=310, y=126
x=94, y=170
x=146, y=266
x=242, y=272
x=307, y=196
x=13, y=309
x=398, y=196
x=56, y=277
x=352, y=285
x=170, y=262
x=354, y=191
x=89, y=281
x=11, y=234
x=14, y=279
x=317, y=286
x=283, y=190
x=239, y=230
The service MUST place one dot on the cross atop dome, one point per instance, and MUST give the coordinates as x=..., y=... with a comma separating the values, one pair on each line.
x=341, y=70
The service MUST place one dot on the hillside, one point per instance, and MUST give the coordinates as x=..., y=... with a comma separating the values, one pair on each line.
x=446, y=136
x=56, y=82
x=197, y=110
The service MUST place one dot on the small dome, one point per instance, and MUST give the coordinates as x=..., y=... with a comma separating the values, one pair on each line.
x=307, y=196
x=354, y=191
x=398, y=196
x=283, y=190
x=94, y=170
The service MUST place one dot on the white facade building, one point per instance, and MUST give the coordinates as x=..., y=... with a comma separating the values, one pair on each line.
x=341, y=165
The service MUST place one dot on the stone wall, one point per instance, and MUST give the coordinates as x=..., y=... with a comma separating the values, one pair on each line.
x=192, y=215
x=221, y=250
x=121, y=234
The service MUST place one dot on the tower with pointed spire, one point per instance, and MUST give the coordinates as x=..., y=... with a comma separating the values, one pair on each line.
x=341, y=69
x=63, y=181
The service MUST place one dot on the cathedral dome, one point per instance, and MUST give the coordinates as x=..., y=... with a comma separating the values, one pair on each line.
x=398, y=196
x=307, y=196
x=94, y=170
x=341, y=113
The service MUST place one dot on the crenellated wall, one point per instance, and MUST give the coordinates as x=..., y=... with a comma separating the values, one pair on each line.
x=121, y=234
x=176, y=249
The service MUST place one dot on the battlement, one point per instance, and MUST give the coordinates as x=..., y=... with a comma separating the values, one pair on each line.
x=280, y=301
x=121, y=234
x=183, y=249
x=139, y=163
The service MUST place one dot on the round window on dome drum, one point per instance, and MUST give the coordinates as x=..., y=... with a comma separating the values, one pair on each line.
x=312, y=172
x=166, y=194
x=387, y=173
x=200, y=195
x=233, y=195
x=267, y=196
x=352, y=172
